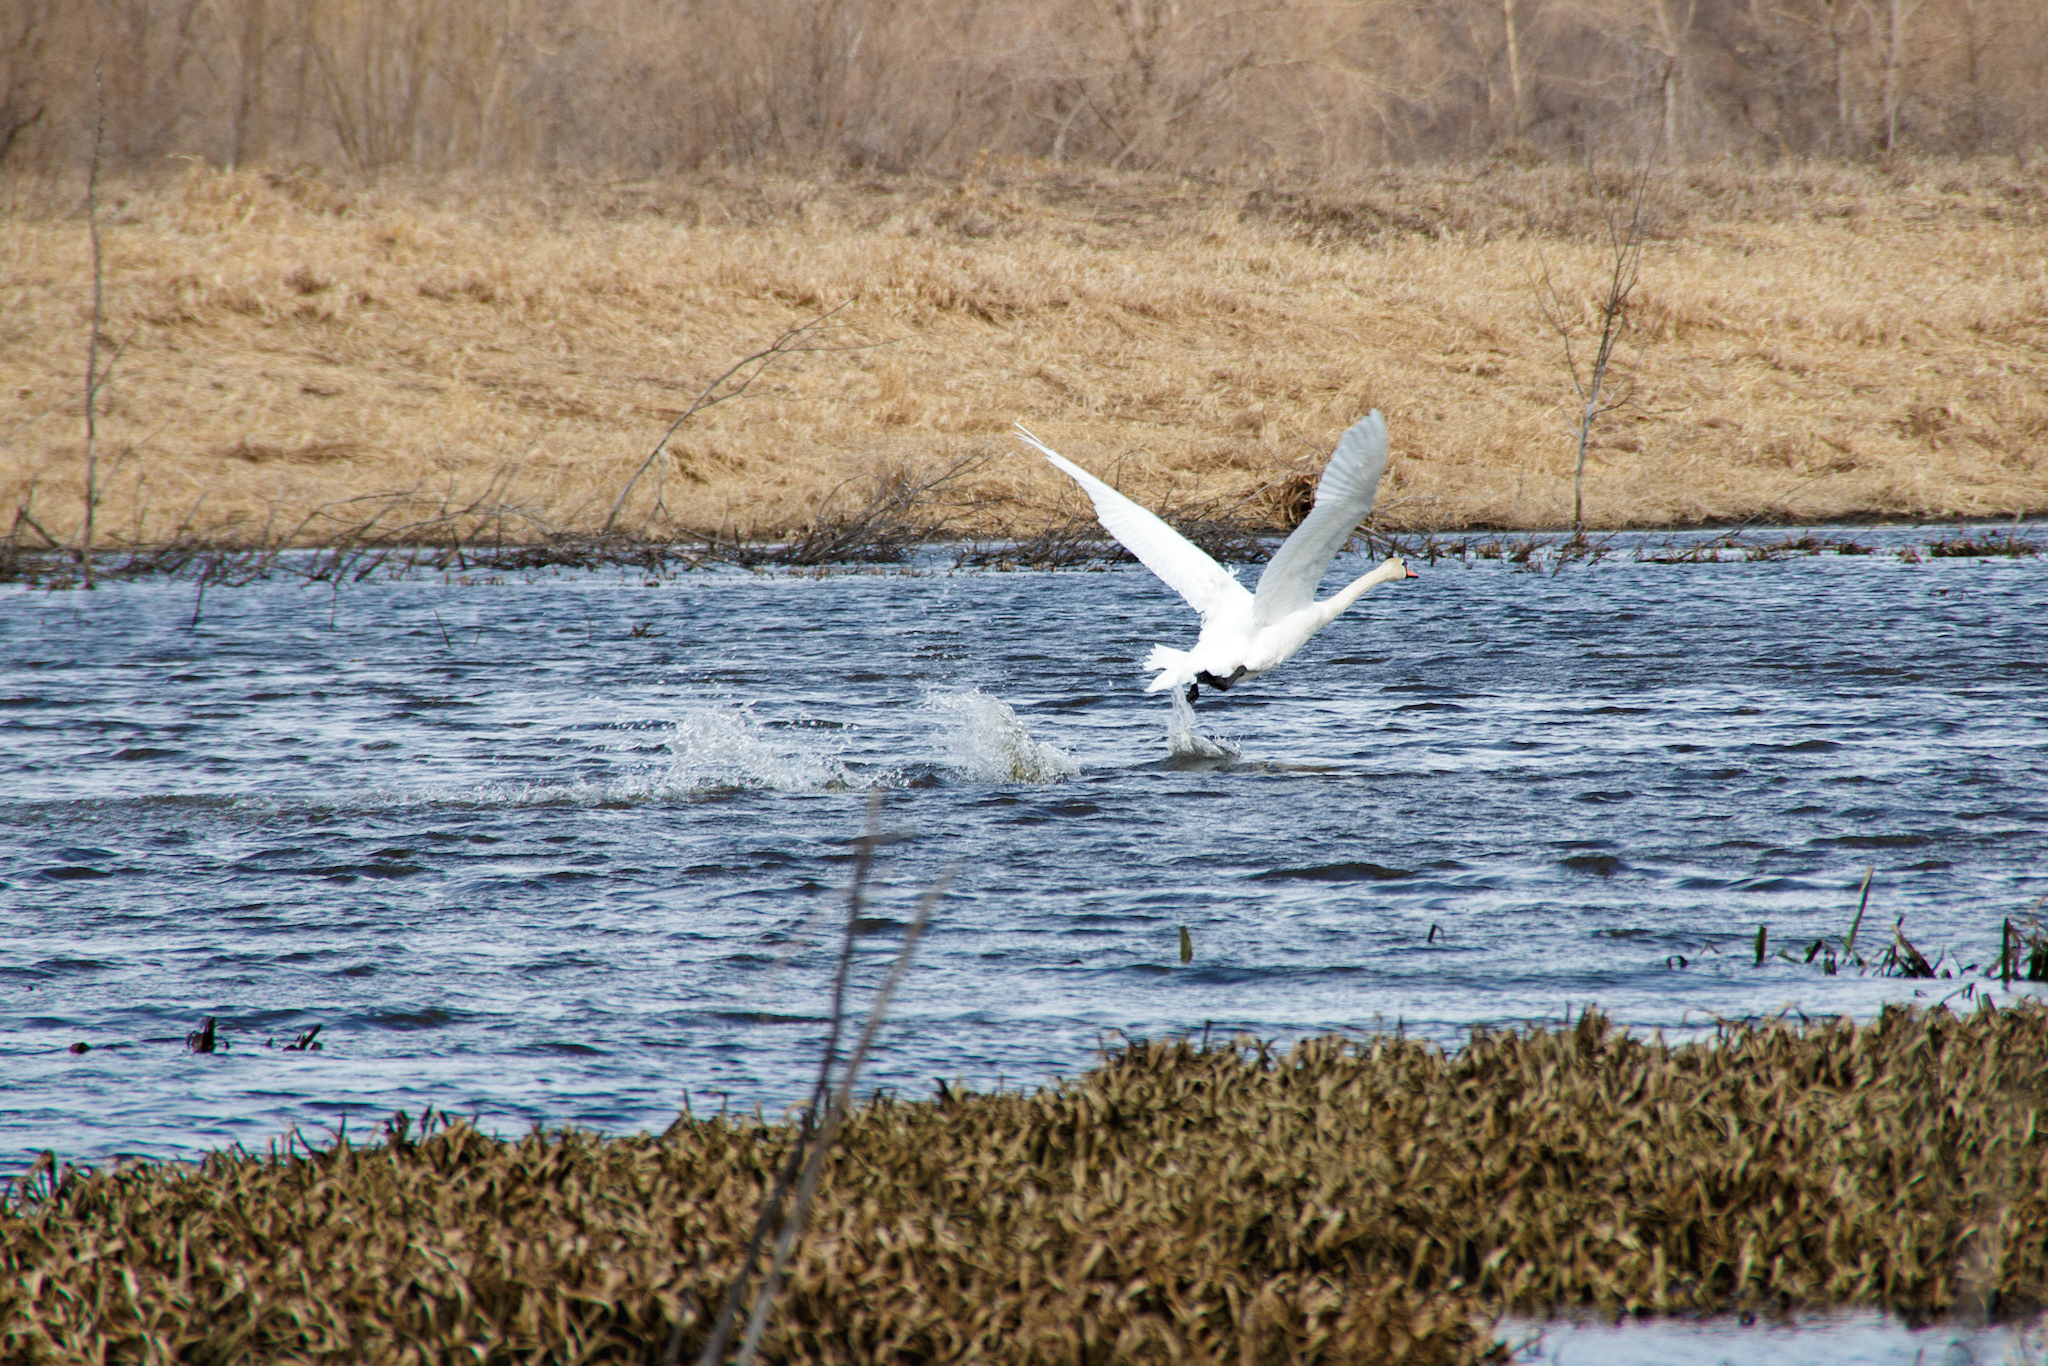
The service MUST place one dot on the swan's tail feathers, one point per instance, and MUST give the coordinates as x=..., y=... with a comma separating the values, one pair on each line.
x=1172, y=669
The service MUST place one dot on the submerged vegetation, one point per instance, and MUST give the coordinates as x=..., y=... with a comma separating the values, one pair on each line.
x=1345, y=1200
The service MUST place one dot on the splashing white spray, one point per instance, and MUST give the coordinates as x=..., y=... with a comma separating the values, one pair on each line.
x=726, y=748
x=984, y=741
x=1183, y=741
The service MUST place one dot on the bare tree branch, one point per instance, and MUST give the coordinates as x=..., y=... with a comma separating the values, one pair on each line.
x=784, y=345
x=1590, y=384
x=818, y=1127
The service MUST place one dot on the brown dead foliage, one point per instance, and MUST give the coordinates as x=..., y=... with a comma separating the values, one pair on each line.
x=494, y=361
x=1345, y=1201
x=638, y=87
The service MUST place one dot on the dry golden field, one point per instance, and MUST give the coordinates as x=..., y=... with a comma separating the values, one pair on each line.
x=299, y=355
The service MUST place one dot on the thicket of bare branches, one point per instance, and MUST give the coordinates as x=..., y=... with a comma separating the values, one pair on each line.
x=648, y=86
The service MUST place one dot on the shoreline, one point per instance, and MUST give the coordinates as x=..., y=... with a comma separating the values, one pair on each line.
x=1074, y=546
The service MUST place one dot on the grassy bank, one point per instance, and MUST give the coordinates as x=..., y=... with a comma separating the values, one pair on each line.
x=300, y=359
x=1342, y=1202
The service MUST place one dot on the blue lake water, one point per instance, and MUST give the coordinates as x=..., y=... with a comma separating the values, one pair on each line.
x=1851, y=1338
x=570, y=847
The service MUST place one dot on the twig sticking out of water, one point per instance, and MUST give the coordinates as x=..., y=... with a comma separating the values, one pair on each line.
x=788, y=1204
x=1849, y=949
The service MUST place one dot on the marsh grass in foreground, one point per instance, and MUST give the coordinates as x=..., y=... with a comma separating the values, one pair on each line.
x=1345, y=1200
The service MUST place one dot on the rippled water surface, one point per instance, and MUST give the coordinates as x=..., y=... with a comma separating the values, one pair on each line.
x=570, y=847
x=1852, y=1338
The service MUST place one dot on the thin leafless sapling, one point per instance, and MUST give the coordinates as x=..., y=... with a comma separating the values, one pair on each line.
x=1590, y=382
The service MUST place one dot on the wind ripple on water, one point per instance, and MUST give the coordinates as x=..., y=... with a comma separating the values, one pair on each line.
x=555, y=875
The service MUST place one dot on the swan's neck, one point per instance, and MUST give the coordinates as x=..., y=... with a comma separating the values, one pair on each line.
x=1333, y=606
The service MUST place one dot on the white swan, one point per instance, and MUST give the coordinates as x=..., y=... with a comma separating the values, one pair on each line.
x=1248, y=634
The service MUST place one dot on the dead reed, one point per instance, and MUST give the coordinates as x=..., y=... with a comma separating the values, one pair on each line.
x=2022, y=951
x=1341, y=1201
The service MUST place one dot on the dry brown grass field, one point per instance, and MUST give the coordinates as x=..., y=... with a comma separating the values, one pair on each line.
x=299, y=355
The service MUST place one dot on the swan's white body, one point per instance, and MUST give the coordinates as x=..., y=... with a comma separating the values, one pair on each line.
x=1245, y=634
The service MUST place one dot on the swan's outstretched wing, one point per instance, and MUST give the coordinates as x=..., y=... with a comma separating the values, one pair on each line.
x=1206, y=585
x=1343, y=496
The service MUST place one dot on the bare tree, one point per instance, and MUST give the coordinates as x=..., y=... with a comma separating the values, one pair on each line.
x=1672, y=34
x=1662, y=30
x=251, y=110
x=1837, y=27
x=375, y=62
x=1487, y=36
x=1512, y=30
x=791, y=343
x=1891, y=63
x=24, y=55
x=640, y=86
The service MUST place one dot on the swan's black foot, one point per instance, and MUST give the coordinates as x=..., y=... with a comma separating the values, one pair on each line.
x=1193, y=692
x=1219, y=684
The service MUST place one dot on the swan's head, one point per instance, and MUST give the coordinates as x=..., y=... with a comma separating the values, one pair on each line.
x=1397, y=568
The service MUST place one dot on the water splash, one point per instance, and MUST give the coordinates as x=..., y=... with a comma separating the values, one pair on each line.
x=726, y=748
x=986, y=742
x=710, y=750
x=1184, y=742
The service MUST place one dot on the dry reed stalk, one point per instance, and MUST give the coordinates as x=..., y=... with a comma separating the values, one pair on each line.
x=828, y=1134
x=773, y=1215
x=1832, y=341
x=1862, y=905
x=787, y=1207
